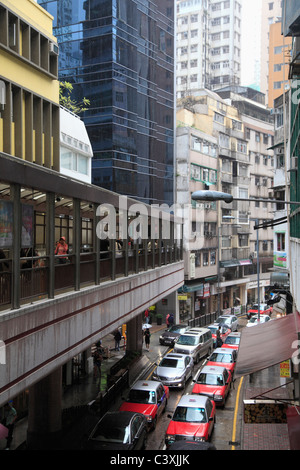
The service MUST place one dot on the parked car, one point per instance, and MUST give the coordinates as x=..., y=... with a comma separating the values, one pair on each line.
x=197, y=342
x=190, y=445
x=254, y=320
x=168, y=337
x=229, y=320
x=265, y=309
x=223, y=357
x=214, y=382
x=119, y=431
x=232, y=340
x=193, y=419
x=225, y=331
x=149, y=398
x=174, y=370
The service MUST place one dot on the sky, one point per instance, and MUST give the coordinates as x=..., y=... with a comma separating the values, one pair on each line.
x=250, y=40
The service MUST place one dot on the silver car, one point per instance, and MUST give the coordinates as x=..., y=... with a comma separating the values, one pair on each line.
x=229, y=320
x=174, y=370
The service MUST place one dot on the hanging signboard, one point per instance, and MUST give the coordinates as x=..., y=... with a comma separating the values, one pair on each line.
x=264, y=411
x=285, y=369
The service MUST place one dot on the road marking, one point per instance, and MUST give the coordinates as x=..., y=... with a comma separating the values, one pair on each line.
x=235, y=413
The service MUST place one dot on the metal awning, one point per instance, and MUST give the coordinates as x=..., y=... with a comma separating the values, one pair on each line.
x=229, y=264
x=279, y=144
x=279, y=279
x=191, y=287
x=265, y=345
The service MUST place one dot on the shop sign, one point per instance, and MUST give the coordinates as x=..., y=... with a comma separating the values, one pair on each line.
x=182, y=297
x=285, y=369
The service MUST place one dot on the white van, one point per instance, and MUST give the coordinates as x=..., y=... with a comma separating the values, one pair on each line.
x=197, y=342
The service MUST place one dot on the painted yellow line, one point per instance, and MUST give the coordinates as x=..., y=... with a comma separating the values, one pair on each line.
x=235, y=413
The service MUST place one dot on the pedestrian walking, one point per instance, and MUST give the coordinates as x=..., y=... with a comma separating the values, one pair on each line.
x=171, y=319
x=10, y=416
x=219, y=339
x=118, y=337
x=147, y=335
x=98, y=358
x=146, y=316
x=167, y=320
x=62, y=249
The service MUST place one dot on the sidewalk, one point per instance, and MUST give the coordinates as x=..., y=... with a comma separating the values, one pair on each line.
x=261, y=436
x=88, y=389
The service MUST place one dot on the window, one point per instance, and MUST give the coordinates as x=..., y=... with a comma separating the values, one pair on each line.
x=224, y=140
x=280, y=241
x=241, y=146
x=243, y=240
x=205, y=258
x=243, y=193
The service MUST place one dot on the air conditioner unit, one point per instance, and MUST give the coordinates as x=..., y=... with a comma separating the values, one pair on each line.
x=294, y=163
x=53, y=48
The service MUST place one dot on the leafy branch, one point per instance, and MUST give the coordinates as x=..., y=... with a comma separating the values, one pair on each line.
x=65, y=92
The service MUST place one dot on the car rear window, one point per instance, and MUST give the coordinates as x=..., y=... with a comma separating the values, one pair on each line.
x=142, y=396
x=221, y=357
x=172, y=363
x=210, y=379
x=190, y=414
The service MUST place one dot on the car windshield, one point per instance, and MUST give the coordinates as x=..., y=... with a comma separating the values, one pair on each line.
x=223, y=320
x=213, y=329
x=176, y=329
x=188, y=340
x=210, y=379
x=142, y=396
x=172, y=363
x=190, y=414
x=253, y=320
x=106, y=432
x=232, y=340
x=220, y=357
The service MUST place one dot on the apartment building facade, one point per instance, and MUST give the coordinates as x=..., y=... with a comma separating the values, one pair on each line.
x=208, y=44
x=279, y=59
x=257, y=171
x=197, y=168
x=226, y=225
x=271, y=12
x=29, y=119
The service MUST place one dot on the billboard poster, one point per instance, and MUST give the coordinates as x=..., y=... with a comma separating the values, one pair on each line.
x=6, y=224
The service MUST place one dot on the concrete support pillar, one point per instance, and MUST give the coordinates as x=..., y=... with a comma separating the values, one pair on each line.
x=134, y=335
x=44, y=416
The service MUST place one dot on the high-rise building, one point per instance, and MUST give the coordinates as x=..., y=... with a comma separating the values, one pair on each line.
x=279, y=58
x=225, y=31
x=270, y=13
x=192, y=46
x=120, y=55
x=208, y=45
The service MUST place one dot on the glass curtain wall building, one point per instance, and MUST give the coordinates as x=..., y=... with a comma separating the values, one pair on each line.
x=120, y=55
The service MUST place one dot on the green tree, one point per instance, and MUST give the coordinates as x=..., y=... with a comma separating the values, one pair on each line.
x=65, y=99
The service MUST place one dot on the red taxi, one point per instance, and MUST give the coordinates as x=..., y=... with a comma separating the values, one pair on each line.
x=223, y=357
x=214, y=382
x=149, y=398
x=232, y=340
x=193, y=420
x=265, y=309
